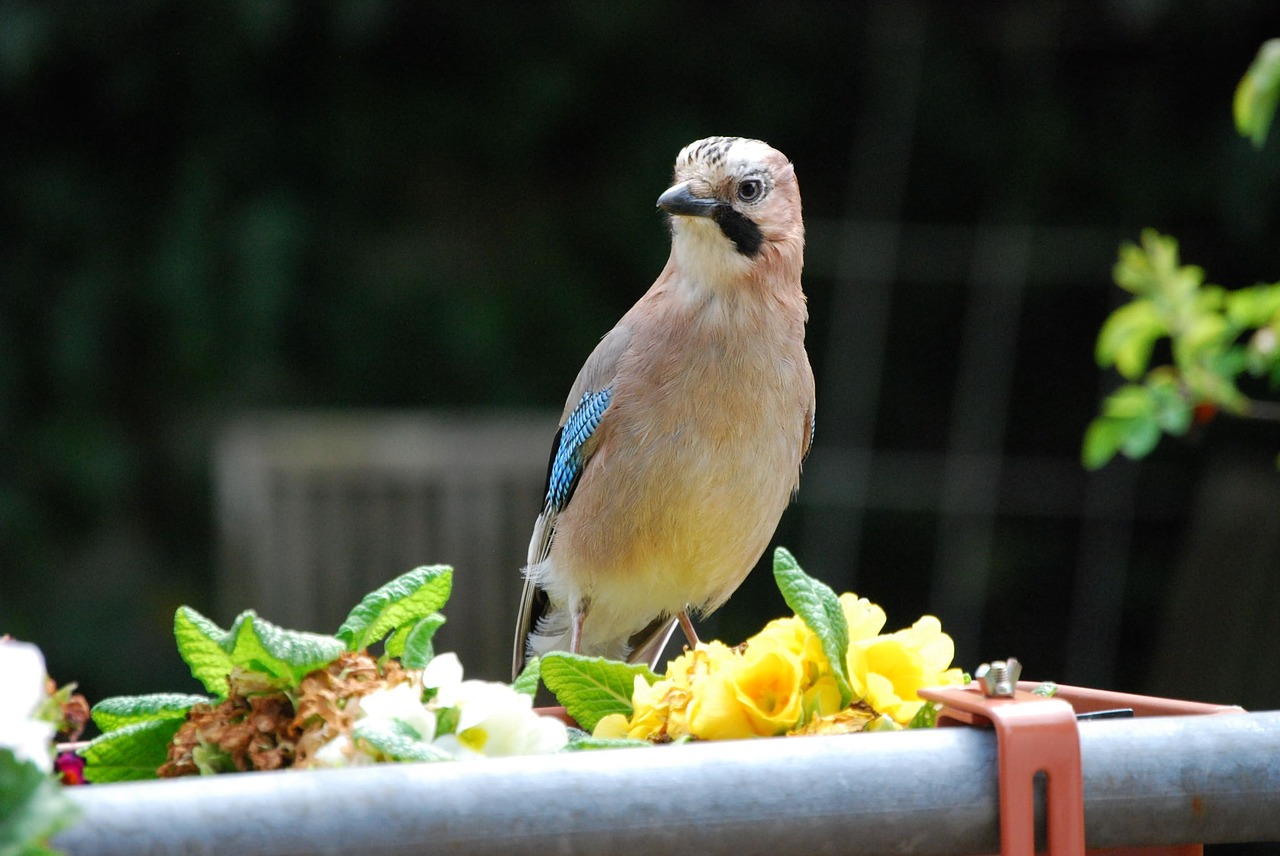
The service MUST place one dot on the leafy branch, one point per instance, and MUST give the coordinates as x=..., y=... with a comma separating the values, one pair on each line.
x=1215, y=336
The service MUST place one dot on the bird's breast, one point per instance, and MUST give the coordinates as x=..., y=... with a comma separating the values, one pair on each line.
x=697, y=459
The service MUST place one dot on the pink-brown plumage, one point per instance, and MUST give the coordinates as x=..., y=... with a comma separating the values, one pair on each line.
x=698, y=452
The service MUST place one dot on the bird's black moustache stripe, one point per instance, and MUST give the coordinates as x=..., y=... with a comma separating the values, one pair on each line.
x=739, y=229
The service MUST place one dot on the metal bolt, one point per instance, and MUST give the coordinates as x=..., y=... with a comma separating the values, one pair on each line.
x=999, y=677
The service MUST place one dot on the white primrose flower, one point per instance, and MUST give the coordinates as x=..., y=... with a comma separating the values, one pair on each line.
x=443, y=671
x=495, y=720
x=23, y=690
x=401, y=705
x=402, y=702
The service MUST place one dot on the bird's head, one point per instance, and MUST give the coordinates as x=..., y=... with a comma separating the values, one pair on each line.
x=734, y=207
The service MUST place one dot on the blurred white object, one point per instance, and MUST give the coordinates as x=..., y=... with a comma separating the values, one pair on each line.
x=23, y=690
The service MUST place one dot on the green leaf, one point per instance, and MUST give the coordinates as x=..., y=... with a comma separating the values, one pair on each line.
x=1140, y=438
x=1257, y=94
x=396, y=641
x=285, y=657
x=926, y=716
x=591, y=688
x=1257, y=306
x=527, y=681
x=397, y=741
x=33, y=807
x=112, y=713
x=1101, y=442
x=130, y=752
x=405, y=600
x=417, y=650
x=1152, y=270
x=447, y=720
x=1128, y=336
x=819, y=607
x=1173, y=412
x=1130, y=401
x=200, y=646
x=1203, y=333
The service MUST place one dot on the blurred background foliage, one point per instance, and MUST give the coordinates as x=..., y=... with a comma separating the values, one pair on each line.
x=207, y=208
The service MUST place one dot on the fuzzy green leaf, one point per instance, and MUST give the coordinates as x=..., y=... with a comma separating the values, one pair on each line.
x=119, y=711
x=1152, y=270
x=1203, y=333
x=417, y=650
x=1130, y=401
x=130, y=752
x=285, y=657
x=405, y=600
x=591, y=688
x=397, y=741
x=1257, y=306
x=200, y=644
x=32, y=807
x=1101, y=442
x=1173, y=412
x=1128, y=336
x=819, y=607
x=396, y=641
x=527, y=681
x=1140, y=438
x=1257, y=95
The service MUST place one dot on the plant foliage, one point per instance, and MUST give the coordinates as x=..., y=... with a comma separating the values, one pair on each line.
x=265, y=658
x=1215, y=338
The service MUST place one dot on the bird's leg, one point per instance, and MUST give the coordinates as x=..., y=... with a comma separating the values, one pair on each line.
x=686, y=624
x=575, y=631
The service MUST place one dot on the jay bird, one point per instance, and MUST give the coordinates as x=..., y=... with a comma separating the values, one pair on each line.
x=682, y=438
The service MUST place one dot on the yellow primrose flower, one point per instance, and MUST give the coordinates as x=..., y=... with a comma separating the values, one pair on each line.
x=794, y=635
x=779, y=682
x=660, y=710
x=769, y=682
x=764, y=691
x=887, y=671
x=865, y=619
x=821, y=698
x=613, y=726
x=651, y=706
x=791, y=633
x=714, y=712
x=693, y=674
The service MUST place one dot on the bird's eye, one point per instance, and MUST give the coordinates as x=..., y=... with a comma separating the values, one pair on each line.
x=750, y=189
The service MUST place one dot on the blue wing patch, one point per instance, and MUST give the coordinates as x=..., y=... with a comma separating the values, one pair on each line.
x=567, y=461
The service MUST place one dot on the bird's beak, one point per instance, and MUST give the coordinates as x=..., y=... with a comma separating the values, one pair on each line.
x=680, y=199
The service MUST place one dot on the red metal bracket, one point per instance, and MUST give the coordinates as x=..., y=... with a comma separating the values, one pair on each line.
x=1040, y=735
x=1033, y=735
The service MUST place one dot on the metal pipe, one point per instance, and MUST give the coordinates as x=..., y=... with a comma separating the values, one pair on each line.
x=1156, y=780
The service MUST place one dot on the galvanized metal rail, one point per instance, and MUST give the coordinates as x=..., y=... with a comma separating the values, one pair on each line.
x=1158, y=780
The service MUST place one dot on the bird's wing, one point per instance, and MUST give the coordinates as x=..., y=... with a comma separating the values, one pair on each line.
x=589, y=398
x=569, y=455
